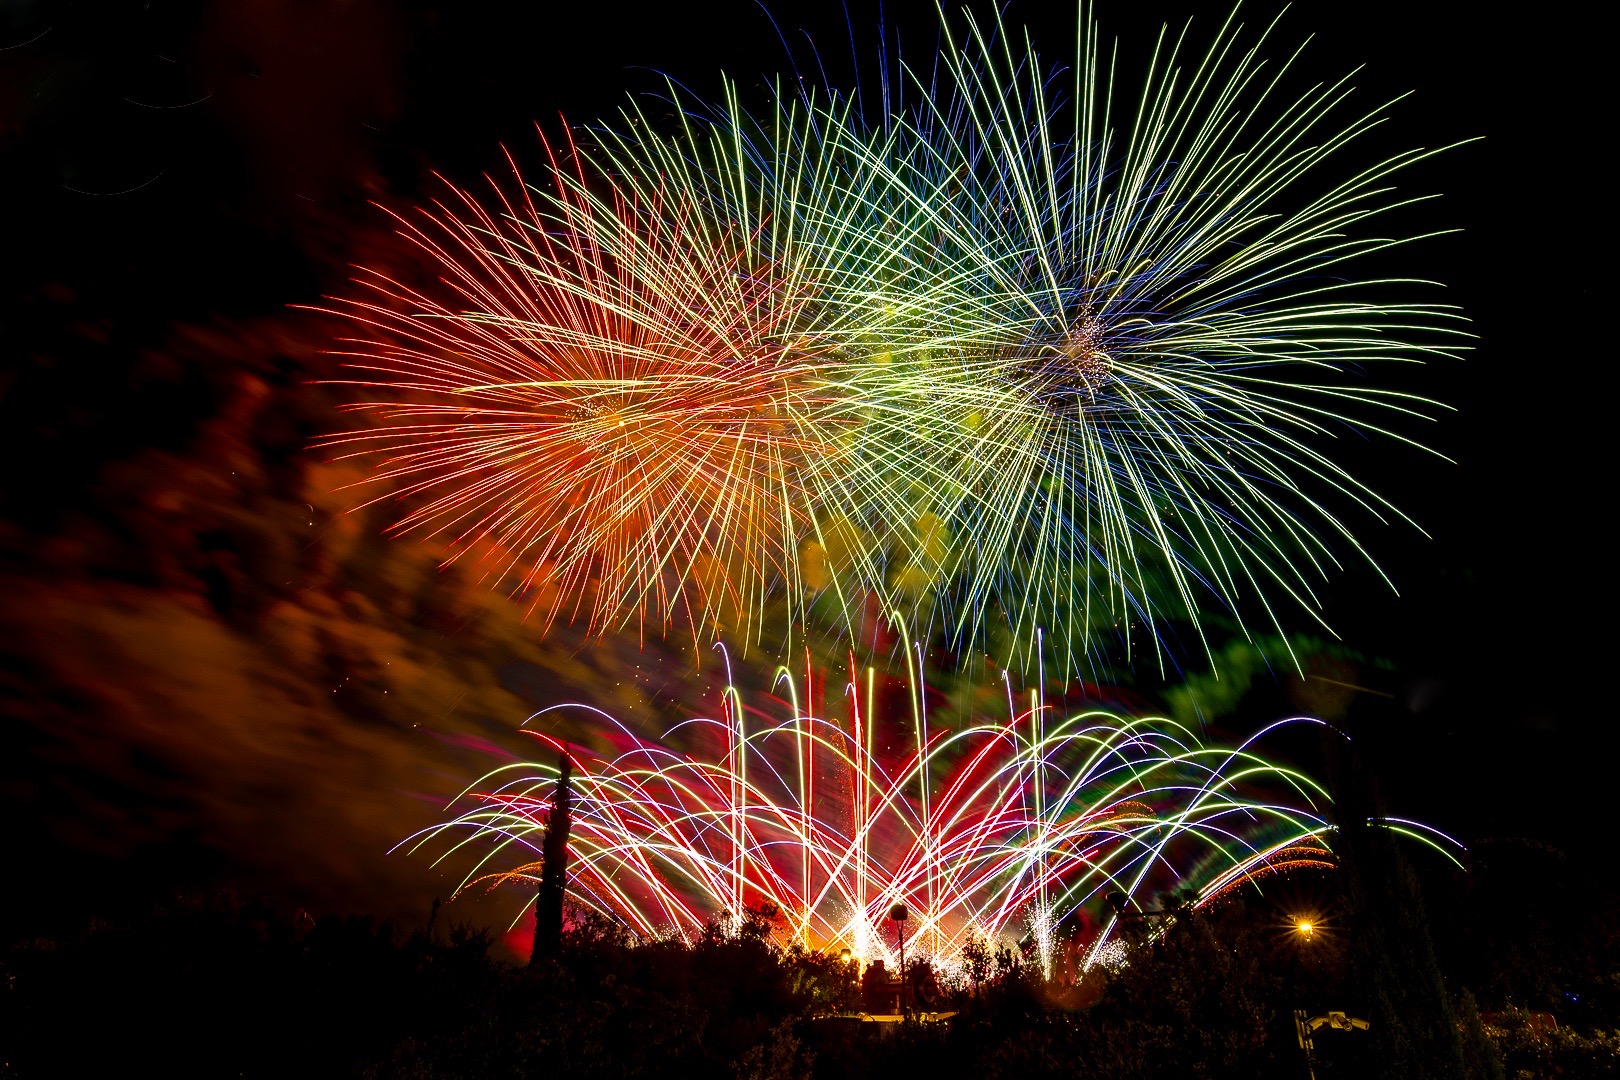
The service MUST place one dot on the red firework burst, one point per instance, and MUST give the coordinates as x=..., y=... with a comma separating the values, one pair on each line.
x=600, y=390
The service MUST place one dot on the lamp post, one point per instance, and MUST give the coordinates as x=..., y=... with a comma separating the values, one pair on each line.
x=1305, y=1027
x=899, y=914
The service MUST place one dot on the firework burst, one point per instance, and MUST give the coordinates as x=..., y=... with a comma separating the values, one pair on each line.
x=984, y=829
x=1123, y=333
x=1030, y=354
x=603, y=390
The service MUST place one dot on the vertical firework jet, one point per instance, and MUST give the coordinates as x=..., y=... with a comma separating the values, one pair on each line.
x=988, y=829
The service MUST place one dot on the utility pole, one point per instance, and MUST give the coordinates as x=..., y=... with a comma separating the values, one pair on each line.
x=553, y=867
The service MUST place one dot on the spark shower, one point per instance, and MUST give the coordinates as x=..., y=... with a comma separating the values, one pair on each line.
x=988, y=829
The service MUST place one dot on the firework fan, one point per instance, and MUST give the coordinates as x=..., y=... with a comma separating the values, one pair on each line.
x=990, y=829
x=599, y=395
x=1114, y=338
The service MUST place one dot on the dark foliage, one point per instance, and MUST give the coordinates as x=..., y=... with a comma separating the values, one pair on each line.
x=722, y=1005
x=221, y=987
x=1529, y=1054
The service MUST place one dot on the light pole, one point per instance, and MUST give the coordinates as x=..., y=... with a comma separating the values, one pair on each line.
x=1305, y=1027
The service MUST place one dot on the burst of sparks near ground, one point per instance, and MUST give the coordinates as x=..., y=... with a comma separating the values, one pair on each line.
x=986, y=830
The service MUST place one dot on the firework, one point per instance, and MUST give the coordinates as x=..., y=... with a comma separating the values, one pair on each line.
x=984, y=829
x=1122, y=332
x=1031, y=358
x=600, y=395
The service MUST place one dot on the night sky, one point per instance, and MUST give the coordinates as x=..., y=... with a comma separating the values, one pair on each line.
x=211, y=674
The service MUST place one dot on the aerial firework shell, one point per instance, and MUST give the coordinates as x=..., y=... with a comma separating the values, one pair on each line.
x=600, y=394
x=1127, y=334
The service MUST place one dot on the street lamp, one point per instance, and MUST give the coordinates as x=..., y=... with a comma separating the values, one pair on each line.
x=1305, y=1027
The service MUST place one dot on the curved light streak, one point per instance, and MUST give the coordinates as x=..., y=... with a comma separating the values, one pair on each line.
x=994, y=828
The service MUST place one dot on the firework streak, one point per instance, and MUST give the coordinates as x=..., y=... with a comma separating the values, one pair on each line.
x=984, y=831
